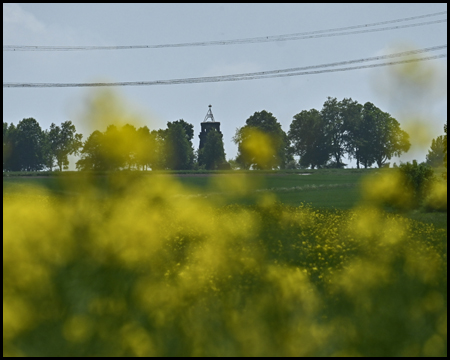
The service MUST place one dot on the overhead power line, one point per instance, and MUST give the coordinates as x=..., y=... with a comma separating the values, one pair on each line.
x=374, y=58
x=248, y=76
x=273, y=38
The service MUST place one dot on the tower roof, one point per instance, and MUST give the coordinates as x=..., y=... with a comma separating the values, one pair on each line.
x=209, y=115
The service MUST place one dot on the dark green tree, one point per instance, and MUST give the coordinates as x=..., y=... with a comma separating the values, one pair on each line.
x=92, y=157
x=189, y=134
x=129, y=145
x=29, y=145
x=435, y=156
x=178, y=149
x=307, y=136
x=266, y=123
x=355, y=133
x=5, y=143
x=381, y=137
x=113, y=152
x=10, y=154
x=365, y=137
x=417, y=177
x=145, y=150
x=334, y=129
x=212, y=155
x=388, y=138
x=188, y=128
x=158, y=158
x=63, y=141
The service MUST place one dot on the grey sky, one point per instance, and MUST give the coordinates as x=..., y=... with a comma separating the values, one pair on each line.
x=233, y=102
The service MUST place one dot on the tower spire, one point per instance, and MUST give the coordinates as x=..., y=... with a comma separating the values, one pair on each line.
x=207, y=125
x=209, y=115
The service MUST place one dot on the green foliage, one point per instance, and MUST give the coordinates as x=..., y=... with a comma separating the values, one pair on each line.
x=178, y=148
x=188, y=128
x=158, y=157
x=307, y=135
x=388, y=138
x=143, y=155
x=417, y=177
x=91, y=153
x=10, y=154
x=274, y=142
x=356, y=133
x=365, y=133
x=29, y=141
x=62, y=141
x=334, y=127
x=436, y=154
x=234, y=164
x=27, y=147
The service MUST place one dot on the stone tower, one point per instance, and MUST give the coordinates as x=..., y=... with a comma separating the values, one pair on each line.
x=208, y=124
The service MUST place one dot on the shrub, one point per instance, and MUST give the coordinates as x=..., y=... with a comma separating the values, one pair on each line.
x=418, y=178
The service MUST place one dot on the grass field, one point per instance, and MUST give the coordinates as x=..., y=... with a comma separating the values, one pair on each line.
x=241, y=264
x=332, y=189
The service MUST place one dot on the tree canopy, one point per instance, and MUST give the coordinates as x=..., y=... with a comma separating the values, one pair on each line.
x=24, y=146
x=62, y=141
x=363, y=132
x=178, y=148
x=308, y=137
x=435, y=156
x=319, y=138
x=334, y=125
x=262, y=143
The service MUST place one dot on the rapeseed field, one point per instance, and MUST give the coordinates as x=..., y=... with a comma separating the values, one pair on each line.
x=154, y=271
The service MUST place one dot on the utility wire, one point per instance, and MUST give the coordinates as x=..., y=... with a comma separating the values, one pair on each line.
x=286, y=37
x=381, y=57
x=214, y=78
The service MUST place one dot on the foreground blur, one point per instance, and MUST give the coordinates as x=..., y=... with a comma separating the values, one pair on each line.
x=155, y=271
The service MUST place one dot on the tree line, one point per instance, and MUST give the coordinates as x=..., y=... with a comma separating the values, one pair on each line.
x=319, y=138
x=322, y=138
x=26, y=147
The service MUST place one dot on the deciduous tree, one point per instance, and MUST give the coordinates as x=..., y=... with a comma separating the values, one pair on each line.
x=355, y=134
x=334, y=129
x=92, y=153
x=435, y=156
x=29, y=145
x=264, y=131
x=10, y=154
x=62, y=141
x=388, y=138
x=178, y=150
x=307, y=136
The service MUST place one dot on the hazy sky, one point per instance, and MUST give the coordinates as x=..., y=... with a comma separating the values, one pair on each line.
x=232, y=102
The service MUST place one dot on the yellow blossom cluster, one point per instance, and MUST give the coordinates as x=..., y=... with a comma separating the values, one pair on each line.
x=153, y=271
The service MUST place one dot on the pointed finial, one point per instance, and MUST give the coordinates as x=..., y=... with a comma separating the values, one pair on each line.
x=209, y=115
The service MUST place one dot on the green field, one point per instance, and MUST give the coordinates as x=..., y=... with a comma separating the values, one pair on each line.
x=219, y=264
x=326, y=189
x=322, y=188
